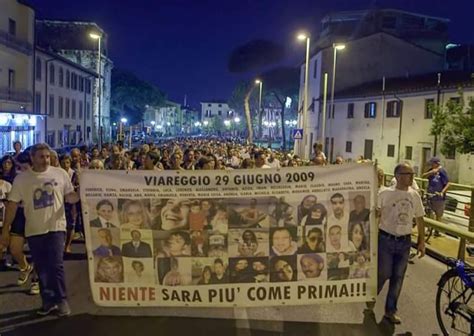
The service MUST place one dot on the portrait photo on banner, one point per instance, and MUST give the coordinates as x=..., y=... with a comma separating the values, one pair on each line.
x=209, y=271
x=134, y=214
x=248, y=270
x=174, y=271
x=248, y=242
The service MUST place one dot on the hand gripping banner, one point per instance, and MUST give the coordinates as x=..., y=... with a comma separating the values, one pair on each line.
x=231, y=238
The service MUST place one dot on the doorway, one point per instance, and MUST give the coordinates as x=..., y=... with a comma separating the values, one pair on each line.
x=368, y=149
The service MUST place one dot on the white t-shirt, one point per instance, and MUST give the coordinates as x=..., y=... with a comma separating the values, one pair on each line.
x=5, y=188
x=42, y=195
x=398, y=208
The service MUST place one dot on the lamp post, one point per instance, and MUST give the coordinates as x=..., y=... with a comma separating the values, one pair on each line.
x=335, y=48
x=123, y=121
x=303, y=37
x=98, y=37
x=259, y=121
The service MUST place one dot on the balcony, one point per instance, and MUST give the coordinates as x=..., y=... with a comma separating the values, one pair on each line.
x=16, y=95
x=15, y=43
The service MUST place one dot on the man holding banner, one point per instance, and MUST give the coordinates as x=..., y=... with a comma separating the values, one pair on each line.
x=397, y=207
x=45, y=224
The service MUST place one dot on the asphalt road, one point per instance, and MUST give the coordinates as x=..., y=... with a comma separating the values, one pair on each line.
x=416, y=308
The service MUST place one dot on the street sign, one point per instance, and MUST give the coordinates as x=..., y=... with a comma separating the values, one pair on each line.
x=298, y=133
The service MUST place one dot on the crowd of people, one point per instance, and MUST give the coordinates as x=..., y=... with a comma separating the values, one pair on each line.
x=21, y=203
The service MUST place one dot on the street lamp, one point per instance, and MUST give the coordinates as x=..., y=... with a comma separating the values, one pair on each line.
x=260, y=83
x=123, y=121
x=98, y=37
x=303, y=37
x=335, y=47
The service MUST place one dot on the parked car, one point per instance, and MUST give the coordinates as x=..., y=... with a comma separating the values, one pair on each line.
x=458, y=207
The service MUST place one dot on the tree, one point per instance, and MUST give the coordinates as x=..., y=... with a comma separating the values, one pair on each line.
x=454, y=124
x=130, y=95
x=251, y=56
x=282, y=82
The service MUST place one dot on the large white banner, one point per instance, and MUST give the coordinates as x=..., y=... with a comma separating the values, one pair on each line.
x=231, y=238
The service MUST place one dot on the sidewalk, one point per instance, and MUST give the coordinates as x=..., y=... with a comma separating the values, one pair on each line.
x=443, y=246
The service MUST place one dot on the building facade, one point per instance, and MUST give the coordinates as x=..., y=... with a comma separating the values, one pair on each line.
x=372, y=51
x=64, y=94
x=18, y=115
x=393, y=125
x=71, y=39
x=214, y=115
x=166, y=120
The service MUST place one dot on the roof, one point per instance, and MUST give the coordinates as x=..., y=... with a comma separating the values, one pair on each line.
x=214, y=101
x=410, y=84
x=333, y=16
x=68, y=35
x=67, y=61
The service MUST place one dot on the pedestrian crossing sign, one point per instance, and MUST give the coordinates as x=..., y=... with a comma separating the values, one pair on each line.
x=298, y=133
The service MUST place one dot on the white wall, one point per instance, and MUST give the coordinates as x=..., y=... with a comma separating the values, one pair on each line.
x=384, y=131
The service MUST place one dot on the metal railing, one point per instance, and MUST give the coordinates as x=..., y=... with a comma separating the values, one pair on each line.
x=16, y=43
x=464, y=233
x=16, y=95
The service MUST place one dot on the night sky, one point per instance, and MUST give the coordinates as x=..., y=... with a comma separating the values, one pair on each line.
x=182, y=46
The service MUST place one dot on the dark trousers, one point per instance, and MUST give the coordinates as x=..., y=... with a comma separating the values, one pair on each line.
x=47, y=254
x=392, y=263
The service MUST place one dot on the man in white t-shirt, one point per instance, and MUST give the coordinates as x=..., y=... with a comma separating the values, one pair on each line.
x=43, y=190
x=397, y=207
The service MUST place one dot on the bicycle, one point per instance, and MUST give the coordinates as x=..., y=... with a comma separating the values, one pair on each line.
x=454, y=309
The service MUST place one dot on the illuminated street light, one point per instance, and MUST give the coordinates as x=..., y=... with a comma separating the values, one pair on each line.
x=153, y=123
x=205, y=122
x=98, y=37
x=227, y=122
x=236, y=120
x=124, y=120
x=302, y=143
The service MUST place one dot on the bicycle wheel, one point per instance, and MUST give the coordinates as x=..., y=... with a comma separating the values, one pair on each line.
x=453, y=309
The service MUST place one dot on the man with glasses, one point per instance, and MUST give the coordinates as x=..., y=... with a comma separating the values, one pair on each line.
x=397, y=207
x=314, y=241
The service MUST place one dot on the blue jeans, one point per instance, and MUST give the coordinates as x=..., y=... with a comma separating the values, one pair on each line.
x=392, y=263
x=47, y=254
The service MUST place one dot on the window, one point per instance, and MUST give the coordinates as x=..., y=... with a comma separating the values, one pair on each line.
x=73, y=109
x=50, y=139
x=370, y=110
x=219, y=113
x=38, y=102
x=451, y=154
x=209, y=105
x=81, y=84
x=51, y=106
x=220, y=105
x=38, y=69
x=88, y=111
x=60, y=138
x=350, y=111
x=68, y=103
x=394, y=108
x=455, y=100
x=81, y=108
x=391, y=150
x=11, y=26
x=61, y=77
x=60, y=107
x=68, y=79
x=408, y=152
x=88, y=86
x=11, y=79
x=348, y=146
x=73, y=81
x=429, y=106
x=315, y=69
x=52, y=73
